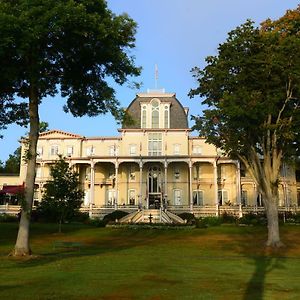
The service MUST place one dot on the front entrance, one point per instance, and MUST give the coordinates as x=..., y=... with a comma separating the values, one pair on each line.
x=154, y=188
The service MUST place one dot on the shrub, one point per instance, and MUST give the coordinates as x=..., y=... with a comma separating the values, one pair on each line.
x=115, y=215
x=190, y=218
x=6, y=218
x=208, y=221
x=228, y=218
x=253, y=219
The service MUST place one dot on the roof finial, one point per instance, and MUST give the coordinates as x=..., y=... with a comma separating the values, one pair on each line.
x=156, y=76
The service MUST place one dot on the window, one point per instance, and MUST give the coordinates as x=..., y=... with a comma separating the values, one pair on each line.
x=197, y=149
x=155, y=114
x=198, y=197
x=166, y=117
x=131, y=197
x=154, y=144
x=144, y=117
x=132, y=149
x=69, y=151
x=54, y=150
x=113, y=150
x=90, y=151
x=244, y=198
x=38, y=172
x=39, y=151
x=176, y=149
x=177, y=197
x=223, y=197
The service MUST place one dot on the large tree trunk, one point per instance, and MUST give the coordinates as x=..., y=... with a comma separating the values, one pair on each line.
x=22, y=247
x=273, y=225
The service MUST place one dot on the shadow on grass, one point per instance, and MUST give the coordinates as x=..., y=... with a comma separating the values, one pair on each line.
x=257, y=284
x=107, y=241
x=265, y=260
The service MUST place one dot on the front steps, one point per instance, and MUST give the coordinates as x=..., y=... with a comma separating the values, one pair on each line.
x=151, y=216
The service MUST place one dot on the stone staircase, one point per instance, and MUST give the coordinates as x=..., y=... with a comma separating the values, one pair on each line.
x=151, y=216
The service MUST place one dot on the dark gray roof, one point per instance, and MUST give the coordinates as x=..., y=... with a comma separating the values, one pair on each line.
x=178, y=117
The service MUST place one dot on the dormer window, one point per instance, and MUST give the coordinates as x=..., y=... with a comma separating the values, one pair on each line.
x=166, y=117
x=144, y=117
x=155, y=113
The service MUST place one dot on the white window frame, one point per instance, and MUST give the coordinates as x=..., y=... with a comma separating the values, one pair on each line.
x=177, y=198
x=197, y=149
x=223, y=196
x=129, y=197
x=38, y=171
x=199, y=200
x=144, y=116
x=70, y=151
x=155, y=142
x=39, y=151
x=155, y=109
x=90, y=151
x=132, y=149
x=54, y=150
x=176, y=149
x=167, y=113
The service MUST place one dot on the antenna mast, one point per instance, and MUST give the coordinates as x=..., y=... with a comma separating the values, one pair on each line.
x=156, y=76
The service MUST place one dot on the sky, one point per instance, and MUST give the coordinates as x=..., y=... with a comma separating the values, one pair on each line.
x=175, y=35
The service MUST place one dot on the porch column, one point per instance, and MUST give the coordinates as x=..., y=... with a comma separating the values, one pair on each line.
x=238, y=183
x=216, y=187
x=166, y=185
x=92, y=190
x=191, y=185
x=254, y=196
x=92, y=185
x=141, y=184
x=116, y=185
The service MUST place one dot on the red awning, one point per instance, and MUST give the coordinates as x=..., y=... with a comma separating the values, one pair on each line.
x=12, y=189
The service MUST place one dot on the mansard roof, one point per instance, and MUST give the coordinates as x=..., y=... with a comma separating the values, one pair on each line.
x=178, y=114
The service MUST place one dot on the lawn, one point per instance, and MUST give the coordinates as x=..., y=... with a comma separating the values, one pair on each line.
x=225, y=262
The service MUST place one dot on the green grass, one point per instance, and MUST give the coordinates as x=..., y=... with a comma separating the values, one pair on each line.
x=226, y=262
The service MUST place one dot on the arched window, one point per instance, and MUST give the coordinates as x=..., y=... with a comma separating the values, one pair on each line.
x=166, y=117
x=155, y=114
x=143, y=118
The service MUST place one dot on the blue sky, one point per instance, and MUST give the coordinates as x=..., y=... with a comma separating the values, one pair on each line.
x=174, y=34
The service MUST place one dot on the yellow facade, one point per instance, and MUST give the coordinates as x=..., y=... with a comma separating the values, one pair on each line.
x=154, y=163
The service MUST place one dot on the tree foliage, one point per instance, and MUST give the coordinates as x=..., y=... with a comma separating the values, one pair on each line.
x=77, y=48
x=251, y=88
x=62, y=197
x=12, y=164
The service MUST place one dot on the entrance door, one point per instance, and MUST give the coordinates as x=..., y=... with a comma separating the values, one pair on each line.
x=154, y=187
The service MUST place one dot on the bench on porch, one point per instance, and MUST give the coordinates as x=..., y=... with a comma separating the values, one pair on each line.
x=67, y=245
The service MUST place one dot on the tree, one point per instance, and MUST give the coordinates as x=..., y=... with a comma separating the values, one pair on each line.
x=62, y=197
x=12, y=165
x=251, y=89
x=75, y=47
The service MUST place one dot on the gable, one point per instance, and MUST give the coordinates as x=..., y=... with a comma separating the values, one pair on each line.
x=58, y=134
